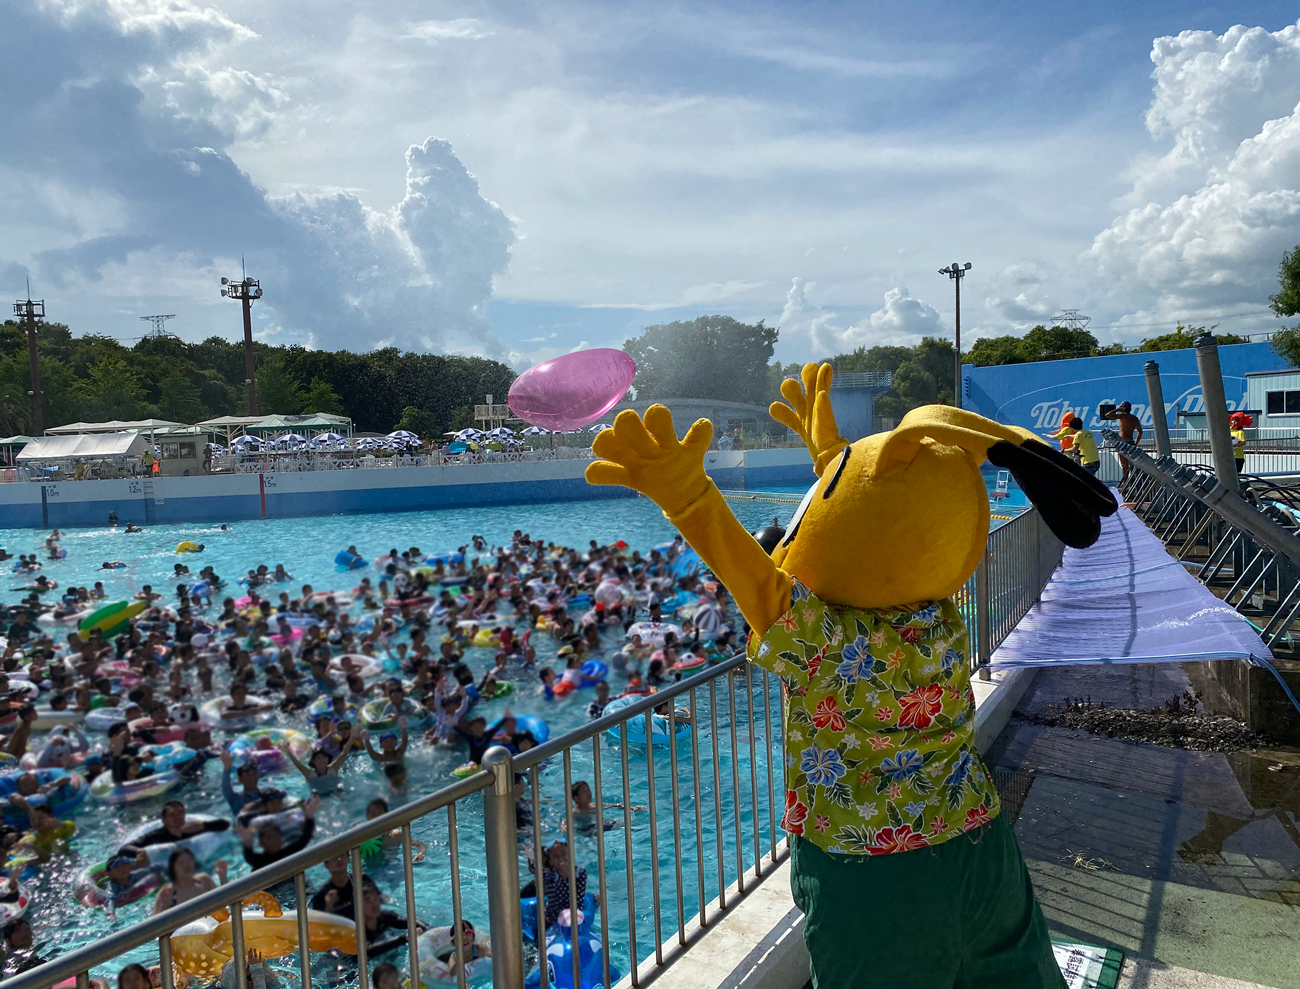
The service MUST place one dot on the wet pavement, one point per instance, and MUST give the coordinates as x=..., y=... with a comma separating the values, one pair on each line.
x=1186, y=858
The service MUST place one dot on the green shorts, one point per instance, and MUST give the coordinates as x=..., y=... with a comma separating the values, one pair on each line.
x=961, y=914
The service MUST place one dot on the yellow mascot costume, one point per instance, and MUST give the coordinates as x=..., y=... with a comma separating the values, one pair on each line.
x=907, y=876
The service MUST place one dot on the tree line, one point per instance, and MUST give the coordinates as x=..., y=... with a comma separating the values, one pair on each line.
x=95, y=378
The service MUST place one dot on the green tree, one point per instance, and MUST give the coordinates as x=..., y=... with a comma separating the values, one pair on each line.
x=1054, y=343
x=1286, y=344
x=1184, y=337
x=277, y=391
x=711, y=357
x=321, y=397
x=922, y=375
x=1287, y=300
x=180, y=399
x=991, y=351
x=419, y=422
x=112, y=389
x=461, y=418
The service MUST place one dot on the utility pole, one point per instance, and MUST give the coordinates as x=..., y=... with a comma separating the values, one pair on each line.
x=246, y=290
x=31, y=311
x=956, y=272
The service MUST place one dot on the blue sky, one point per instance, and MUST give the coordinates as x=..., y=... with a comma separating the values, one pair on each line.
x=519, y=180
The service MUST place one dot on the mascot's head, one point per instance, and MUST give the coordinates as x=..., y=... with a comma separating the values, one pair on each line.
x=902, y=517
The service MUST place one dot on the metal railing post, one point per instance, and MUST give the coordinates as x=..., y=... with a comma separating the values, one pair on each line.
x=502, y=849
x=983, y=617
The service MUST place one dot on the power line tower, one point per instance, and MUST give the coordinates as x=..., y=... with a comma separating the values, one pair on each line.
x=30, y=311
x=1072, y=318
x=158, y=324
x=246, y=290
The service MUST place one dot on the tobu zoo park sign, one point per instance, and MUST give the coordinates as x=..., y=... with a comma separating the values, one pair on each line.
x=1036, y=396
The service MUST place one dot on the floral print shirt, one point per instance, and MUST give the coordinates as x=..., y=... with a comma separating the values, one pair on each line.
x=880, y=726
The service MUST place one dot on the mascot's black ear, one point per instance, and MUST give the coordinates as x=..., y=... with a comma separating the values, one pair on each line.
x=1071, y=501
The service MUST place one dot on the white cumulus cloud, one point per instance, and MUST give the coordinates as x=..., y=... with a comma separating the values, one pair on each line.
x=816, y=332
x=136, y=123
x=1208, y=220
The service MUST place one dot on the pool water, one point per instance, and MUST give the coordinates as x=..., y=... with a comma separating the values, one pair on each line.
x=306, y=546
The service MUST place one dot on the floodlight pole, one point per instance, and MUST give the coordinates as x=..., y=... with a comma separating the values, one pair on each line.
x=956, y=272
x=246, y=290
x=29, y=312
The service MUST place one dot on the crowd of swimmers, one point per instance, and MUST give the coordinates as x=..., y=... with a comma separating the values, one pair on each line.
x=201, y=664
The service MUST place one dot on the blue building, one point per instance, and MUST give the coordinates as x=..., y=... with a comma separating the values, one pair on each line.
x=1037, y=395
x=1275, y=398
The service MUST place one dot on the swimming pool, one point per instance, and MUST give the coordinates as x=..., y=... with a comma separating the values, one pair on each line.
x=307, y=546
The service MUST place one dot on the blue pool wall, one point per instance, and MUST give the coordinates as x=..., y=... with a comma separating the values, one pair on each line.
x=228, y=497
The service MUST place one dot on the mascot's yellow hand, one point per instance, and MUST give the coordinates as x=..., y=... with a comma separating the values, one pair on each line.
x=809, y=414
x=646, y=456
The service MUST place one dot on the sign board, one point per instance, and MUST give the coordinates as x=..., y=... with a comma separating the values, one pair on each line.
x=1037, y=395
x=493, y=412
x=1087, y=966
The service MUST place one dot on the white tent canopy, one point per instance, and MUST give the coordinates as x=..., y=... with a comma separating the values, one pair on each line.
x=112, y=426
x=84, y=445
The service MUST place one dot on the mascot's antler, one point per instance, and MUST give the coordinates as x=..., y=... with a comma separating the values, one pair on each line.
x=810, y=415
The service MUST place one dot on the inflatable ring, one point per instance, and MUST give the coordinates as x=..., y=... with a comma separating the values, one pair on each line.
x=323, y=705
x=593, y=672
x=485, y=638
x=31, y=760
x=690, y=661
x=103, y=718
x=349, y=561
x=128, y=792
x=504, y=688
x=445, y=557
x=435, y=972
x=162, y=736
x=290, y=821
x=11, y=910
x=90, y=887
x=269, y=760
x=563, y=688
x=61, y=801
x=465, y=771
x=206, y=846
x=211, y=710
x=294, y=635
x=372, y=716
x=367, y=667
x=342, y=598
x=636, y=725
x=187, y=546
x=538, y=728
x=652, y=633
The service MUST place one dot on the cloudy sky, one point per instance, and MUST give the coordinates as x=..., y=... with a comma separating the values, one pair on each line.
x=518, y=180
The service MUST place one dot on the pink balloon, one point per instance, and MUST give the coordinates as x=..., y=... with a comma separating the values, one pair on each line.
x=572, y=391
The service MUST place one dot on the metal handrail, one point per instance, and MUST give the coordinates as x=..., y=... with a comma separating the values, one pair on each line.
x=223, y=897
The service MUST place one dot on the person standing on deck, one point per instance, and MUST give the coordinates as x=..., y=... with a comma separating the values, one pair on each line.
x=1239, y=422
x=1130, y=430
